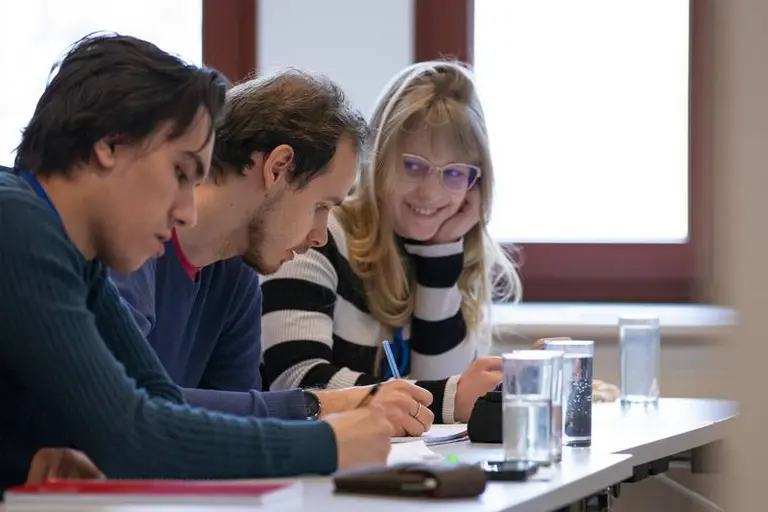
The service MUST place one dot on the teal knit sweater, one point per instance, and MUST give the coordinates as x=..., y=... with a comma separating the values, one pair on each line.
x=76, y=371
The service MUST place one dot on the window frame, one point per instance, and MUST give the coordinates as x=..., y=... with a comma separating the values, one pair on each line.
x=580, y=272
x=229, y=37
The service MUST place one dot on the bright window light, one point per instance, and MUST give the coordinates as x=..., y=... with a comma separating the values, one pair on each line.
x=587, y=110
x=38, y=32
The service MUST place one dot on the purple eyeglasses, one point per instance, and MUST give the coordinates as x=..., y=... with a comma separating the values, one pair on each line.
x=454, y=177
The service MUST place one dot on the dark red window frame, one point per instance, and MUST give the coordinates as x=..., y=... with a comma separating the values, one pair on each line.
x=229, y=37
x=607, y=272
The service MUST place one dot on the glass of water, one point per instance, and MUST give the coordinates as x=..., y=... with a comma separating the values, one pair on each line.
x=640, y=352
x=527, y=405
x=557, y=404
x=577, y=390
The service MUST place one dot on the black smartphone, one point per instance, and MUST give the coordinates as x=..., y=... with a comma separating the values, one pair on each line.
x=509, y=470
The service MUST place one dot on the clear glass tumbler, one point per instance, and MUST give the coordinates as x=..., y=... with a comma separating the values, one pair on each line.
x=640, y=355
x=527, y=405
x=557, y=404
x=578, y=357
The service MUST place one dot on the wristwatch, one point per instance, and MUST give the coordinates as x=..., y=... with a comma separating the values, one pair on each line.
x=313, y=405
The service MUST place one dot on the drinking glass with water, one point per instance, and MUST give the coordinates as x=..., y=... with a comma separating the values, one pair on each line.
x=577, y=390
x=640, y=352
x=557, y=404
x=527, y=405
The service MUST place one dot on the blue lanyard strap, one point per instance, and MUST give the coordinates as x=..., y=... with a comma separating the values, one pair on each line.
x=402, y=354
x=39, y=190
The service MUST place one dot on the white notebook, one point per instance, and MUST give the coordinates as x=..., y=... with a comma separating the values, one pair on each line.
x=438, y=434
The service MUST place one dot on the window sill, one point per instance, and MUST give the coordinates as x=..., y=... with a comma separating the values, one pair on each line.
x=680, y=322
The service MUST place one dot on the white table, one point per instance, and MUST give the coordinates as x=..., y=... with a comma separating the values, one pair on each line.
x=622, y=439
x=677, y=425
x=580, y=474
x=647, y=434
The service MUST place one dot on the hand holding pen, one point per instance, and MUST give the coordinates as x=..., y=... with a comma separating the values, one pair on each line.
x=362, y=434
x=406, y=404
x=401, y=406
x=392, y=367
x=368, y=397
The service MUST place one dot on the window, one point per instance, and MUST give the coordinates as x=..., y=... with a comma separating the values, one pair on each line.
x=46, y=28
x=217, y=32
x=587, y=110
x=663, y=255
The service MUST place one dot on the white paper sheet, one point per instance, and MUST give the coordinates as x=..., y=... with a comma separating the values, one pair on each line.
x=435, y=434
x=416, y=451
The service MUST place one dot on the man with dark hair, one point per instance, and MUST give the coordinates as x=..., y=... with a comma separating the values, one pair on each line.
x=285, y=153
x=105, y=171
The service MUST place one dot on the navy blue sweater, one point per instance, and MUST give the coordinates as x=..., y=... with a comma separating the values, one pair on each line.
x=76, y=371
x=206, y=330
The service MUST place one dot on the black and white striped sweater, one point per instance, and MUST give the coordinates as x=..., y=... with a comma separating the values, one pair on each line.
x=317, y=330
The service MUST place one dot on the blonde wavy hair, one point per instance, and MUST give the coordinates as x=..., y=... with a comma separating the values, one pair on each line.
x=439, y=96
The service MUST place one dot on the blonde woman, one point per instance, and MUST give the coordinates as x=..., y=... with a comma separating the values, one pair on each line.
x=408, y=257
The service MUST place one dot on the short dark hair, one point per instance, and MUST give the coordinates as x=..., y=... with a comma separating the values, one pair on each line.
x=114, y=85
x=306, y=111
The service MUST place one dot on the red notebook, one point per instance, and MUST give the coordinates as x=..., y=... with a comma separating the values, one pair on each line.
x=242, y=492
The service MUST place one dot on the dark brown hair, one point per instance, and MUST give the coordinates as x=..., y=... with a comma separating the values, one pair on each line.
x=113, y=85
x=306, y=111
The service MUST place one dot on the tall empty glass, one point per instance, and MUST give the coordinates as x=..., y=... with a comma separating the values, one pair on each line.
x=527, y=406
x=640, y=353
x=578, y=357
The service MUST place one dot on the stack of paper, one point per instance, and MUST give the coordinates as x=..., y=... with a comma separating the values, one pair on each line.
x=438, y=434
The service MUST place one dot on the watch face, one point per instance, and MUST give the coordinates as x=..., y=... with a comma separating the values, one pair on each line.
x=313, y=405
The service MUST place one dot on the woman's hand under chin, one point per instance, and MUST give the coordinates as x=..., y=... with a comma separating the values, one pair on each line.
x=462, y=221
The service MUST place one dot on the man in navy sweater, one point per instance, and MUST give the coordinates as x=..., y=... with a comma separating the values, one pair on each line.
x=285, y=154
x=106, y=169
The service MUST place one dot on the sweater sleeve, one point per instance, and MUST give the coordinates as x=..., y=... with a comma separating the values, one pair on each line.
x=439, y=344
x=288, y=404
x=72, y=346
x=297, y=322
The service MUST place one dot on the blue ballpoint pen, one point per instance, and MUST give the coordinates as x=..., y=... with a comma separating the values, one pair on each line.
x=391, y=359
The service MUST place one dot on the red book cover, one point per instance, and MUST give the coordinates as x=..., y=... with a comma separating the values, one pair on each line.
x=155, y=491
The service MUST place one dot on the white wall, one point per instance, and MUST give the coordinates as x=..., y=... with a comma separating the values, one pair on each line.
x=360, y=44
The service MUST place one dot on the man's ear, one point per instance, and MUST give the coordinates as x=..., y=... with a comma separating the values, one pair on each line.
x=277, y=166
x=104, y=153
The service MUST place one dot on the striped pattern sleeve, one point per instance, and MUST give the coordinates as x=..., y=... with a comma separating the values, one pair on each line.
x=312, y=317
x=439, y=343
